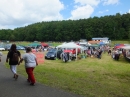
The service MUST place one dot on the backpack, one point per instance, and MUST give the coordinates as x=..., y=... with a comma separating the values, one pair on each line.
x=15, y=57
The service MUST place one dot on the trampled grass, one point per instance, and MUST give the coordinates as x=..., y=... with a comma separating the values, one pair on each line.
x=90, y=77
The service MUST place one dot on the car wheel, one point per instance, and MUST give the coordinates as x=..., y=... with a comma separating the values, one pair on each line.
x=54, y=58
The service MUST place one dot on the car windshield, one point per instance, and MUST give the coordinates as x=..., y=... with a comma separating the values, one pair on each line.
x=52, y=50
x=1, y=46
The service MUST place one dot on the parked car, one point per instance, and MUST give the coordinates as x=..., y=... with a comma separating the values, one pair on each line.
x=20, y=47
x=2, y=48
x=7, y=47
x=53, y=53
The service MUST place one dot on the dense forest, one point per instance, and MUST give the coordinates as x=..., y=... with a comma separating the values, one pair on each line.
x=116, y=27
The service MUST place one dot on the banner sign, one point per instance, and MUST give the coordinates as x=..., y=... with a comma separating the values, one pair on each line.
x=39, y=56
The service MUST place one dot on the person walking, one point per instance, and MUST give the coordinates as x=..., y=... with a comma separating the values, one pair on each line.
x=0, y=56
x=30, y=64
x=13, y=56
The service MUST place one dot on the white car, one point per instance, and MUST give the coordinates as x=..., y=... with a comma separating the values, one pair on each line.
x=2, y=48
x=1, y=54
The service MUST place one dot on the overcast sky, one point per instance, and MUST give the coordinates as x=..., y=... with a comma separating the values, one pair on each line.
x=19, y=13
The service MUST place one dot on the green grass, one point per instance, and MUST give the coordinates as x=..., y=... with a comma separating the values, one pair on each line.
x=27, y=43
x=90, y=77
x=120, y=42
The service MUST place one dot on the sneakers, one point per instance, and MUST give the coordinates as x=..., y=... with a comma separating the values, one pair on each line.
x=32, y=84
x=16, y=77
x=28, y=80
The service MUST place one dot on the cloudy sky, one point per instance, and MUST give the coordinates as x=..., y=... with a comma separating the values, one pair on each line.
x=19, y=13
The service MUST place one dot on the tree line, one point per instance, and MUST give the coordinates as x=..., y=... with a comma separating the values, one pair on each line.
x=116, y=27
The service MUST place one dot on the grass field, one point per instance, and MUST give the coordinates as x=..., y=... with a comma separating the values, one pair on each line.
x=90, y=77
x=58, y=43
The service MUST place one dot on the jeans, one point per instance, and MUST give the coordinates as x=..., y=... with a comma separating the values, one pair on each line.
x=13, y=68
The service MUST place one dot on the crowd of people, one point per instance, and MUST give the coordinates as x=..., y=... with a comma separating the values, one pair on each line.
x=97, y=52
x=89, y=52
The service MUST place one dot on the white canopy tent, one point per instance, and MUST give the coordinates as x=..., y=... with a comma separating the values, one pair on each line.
x=71, y=45
x=126, y=47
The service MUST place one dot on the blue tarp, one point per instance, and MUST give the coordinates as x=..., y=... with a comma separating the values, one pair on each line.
x=101, y=43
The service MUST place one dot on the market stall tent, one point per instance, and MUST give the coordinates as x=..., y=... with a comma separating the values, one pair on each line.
x=35, y=44
x=70, y=45
x=126, y=47
x=44, y=44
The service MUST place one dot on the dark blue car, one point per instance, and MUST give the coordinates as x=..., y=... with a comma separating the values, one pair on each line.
x=53, y=54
